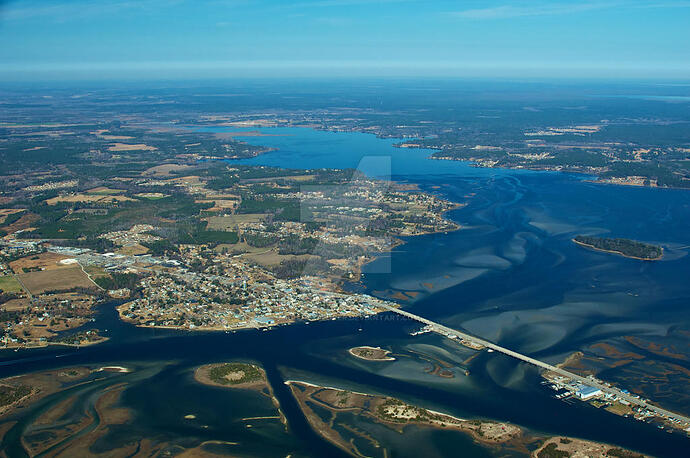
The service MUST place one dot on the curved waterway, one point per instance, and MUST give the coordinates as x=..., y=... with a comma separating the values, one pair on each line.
x=511, y=275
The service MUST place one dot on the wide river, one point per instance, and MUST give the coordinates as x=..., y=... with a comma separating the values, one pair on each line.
x=511, y=275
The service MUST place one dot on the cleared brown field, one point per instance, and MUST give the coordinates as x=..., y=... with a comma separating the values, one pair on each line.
x=240, y=248
x=225, y=223
x=57, y=279
x=22, y=223
x=129, y=147
x=104, y=190
x=5, y=212
x=272, y=258
x=165, y=169
x=220, y=205
x=132, y=250
x=105, y=135
x=14, y=305
x=90, y=198
x=188, y=180
x=47, y=261
x=116, y=137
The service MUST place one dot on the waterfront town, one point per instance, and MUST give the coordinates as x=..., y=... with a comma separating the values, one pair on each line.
x=168, y=294
x=194, y=243
x=197, y=245
x=268, y=248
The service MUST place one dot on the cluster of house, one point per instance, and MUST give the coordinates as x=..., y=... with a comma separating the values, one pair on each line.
x=14, y=249
x=52, y=185
x=139, y=233
x=243, y=296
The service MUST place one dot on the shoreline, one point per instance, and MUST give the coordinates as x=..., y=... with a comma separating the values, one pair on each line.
x=398, y=240
x=597, y=180
x=314, y=385
x=56, y=344
x=263, y=327
x=404, y=145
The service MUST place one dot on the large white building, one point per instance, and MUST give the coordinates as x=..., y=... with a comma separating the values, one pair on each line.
x=585, y=392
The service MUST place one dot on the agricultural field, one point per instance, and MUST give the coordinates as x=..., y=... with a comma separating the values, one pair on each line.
x=8, y=284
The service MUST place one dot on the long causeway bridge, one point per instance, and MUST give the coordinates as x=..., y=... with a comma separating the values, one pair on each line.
x=473, y=341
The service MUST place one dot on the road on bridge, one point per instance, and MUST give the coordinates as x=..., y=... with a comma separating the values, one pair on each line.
x=454, y=334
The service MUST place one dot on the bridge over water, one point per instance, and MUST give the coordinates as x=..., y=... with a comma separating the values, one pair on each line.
x=454, y=334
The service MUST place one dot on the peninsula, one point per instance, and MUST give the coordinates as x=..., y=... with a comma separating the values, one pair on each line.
x=339, y=416
x=183, y=238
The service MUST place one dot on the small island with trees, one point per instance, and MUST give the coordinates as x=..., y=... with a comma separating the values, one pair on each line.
x=624, y=247
x=234, y=375
x=371, y=353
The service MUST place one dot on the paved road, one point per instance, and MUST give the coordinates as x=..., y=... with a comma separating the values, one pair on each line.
x=455, y=334
x=21, y=283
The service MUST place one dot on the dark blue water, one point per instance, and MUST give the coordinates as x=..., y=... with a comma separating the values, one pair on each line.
x=510, y=275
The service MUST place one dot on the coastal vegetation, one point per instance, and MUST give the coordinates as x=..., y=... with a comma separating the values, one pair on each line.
x=564, y=447
x=75, y=416
x=239, y=375
x=10, y=394
x=371, y=353
x=625, y=247
x=82, y=338
x=234, y=374
x=392, y=413
x=342, y=417
x=21, y=391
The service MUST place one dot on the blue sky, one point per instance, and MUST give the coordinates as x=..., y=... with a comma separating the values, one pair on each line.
x=164, y=39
